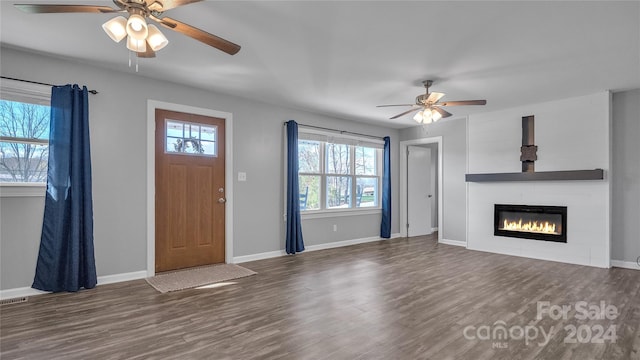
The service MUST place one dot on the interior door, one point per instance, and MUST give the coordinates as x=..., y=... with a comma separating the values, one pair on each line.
x=418, y=191
x=190, y=190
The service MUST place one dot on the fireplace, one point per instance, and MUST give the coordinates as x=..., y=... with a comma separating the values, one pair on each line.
x=548, y=223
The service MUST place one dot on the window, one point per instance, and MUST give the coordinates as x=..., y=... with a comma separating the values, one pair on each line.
x=24, y=132
x=338, y=173
x=191, y=139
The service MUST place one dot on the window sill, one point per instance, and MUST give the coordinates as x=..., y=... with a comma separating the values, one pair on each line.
x=22, y=190
x=320, y=214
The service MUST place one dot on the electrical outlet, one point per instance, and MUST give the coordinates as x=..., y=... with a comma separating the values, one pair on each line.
x=242, y=176
x=335, y=227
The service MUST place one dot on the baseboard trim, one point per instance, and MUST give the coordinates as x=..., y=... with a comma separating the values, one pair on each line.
x=453, y=242
x=20, y=292
x=102, y=280
x=116, y=278
x=331, y=245
x=625, y=264
x=434, y=229
x=336, y=244
x=259, y=256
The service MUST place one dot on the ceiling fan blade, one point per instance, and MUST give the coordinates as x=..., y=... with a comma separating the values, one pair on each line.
x=200, y=35
x=442, y=112
x=164, y=5
x=46, y=8
x=149, y=53
x=434, y=97
x=463, y=102
x=396, y=105
x=405, y=113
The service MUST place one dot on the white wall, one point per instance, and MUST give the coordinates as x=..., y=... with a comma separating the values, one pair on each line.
x=118, y=149
x=571, y=134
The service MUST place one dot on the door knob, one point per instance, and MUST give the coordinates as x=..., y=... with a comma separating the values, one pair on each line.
x=222, y=200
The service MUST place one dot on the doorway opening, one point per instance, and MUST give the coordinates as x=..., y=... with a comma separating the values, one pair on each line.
x=415, y=203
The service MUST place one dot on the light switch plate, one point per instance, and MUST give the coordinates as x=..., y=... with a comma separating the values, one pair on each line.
x=242, y=176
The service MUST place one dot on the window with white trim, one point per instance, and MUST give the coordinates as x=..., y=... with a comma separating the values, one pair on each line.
x=338, y=172
x=24, y=132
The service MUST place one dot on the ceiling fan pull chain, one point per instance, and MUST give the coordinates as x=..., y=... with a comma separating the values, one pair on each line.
x=136, y=64
x=129, y=58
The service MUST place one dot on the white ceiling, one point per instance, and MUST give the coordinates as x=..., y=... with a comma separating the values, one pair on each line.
x=342, y=58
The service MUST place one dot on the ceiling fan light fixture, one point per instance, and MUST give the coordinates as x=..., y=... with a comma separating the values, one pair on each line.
x=156, y=38
x=116, y=28
x=137, y=27
x=436, y=116
x=136, y=45
x=427, y=116
x=418, y=117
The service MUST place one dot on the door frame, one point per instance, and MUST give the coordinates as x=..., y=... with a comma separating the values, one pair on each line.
x=152, y=105
x=403, y=182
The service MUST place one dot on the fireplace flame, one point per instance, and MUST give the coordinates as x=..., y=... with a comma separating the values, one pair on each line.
x=530, y=226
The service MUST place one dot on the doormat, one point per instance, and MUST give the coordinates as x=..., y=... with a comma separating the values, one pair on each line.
x=198, y=276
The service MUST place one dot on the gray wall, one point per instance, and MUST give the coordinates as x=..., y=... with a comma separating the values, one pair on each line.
x=625, y=176
x=118, y=139
x=454, y=165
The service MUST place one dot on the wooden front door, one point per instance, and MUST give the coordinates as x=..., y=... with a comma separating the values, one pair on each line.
x=190, y=190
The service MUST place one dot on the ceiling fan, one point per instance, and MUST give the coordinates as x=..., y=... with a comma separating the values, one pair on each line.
x=142, y=38
x=429, y=108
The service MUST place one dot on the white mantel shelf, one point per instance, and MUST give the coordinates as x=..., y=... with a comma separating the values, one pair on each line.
x=568, y=175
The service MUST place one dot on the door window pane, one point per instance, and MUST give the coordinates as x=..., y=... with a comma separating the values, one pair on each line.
x=208, y=133
x=365, y=160
x=194, y=131
x=309, y=186
x=338, y=192
x=309, y=156
x=175, y=129
x=366, y=192
x=208, y=148
x=190, y=139
x=338, y=159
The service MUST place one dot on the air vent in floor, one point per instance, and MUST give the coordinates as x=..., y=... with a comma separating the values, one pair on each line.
x=14, y=301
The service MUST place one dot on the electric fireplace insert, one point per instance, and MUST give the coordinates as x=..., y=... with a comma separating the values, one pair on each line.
x=537, y=222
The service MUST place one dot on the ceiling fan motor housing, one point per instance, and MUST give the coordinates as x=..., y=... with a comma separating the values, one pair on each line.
x=422, y=99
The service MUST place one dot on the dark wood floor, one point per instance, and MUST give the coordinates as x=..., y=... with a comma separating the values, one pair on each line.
x=399, y=299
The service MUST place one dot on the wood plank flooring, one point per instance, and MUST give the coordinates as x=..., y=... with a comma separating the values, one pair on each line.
x=397, y=299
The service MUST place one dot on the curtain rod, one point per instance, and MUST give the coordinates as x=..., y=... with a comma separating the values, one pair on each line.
x=339, y=131
x=39, y=83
